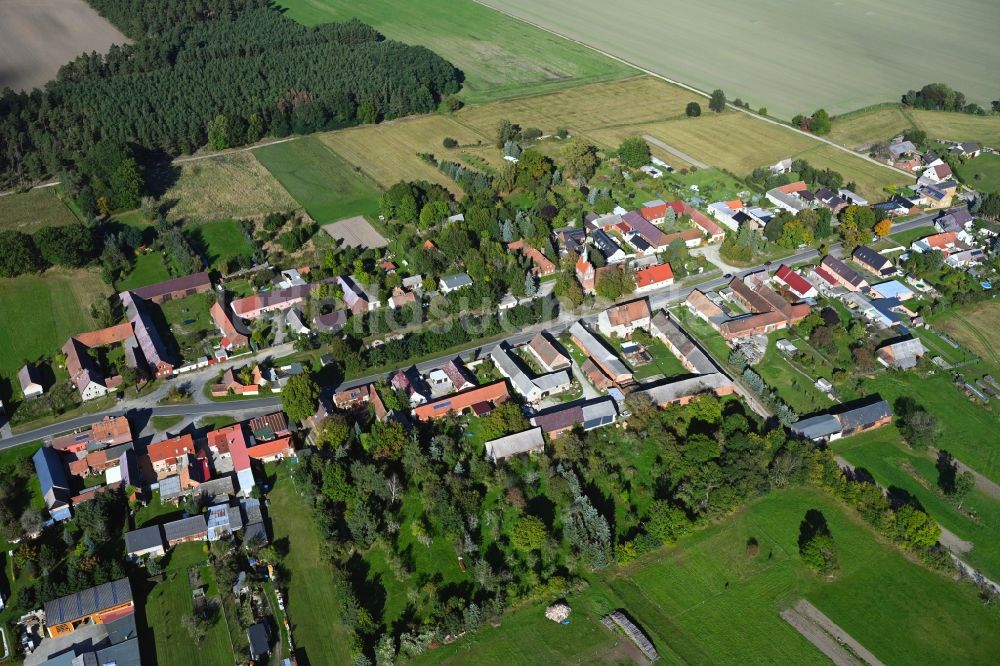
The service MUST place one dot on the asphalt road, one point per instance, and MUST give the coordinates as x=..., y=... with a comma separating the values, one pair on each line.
x=657, y=300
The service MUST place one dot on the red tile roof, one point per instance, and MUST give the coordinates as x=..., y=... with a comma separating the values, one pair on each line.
x=170, y=449
x=458, y=402
x=272, y=448
x=653, y=275
x=792, y=188
x=796, y=282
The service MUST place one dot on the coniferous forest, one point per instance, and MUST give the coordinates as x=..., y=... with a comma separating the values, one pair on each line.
x=223, y=72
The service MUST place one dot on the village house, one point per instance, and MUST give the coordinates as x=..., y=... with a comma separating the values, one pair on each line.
x=967, y=149
x=232, y=338
x=166, y=456
x=480, y=400
x=725, y=212
x=873, y=261
x=532, y=389
x=795, y=283
x=54, y=486
x=545, y=352
x=542, y=265
x=109, y=431
x=159, y=362
x=401, y=381
x=401, y=299
x=455, y=282
x=269, y=426
x=699, y=221
x=359, y=300
x=295, y=323
x=600, y=355
x=621, y=320
x=609, y=249
x=837, y=273
x=653, y=278
x=229, y=383
x=768, y=310
x=31, y=386
x=273, y=450
x=276, y=300
x=790, y=197
x=831, y=200
x=571, y=240
x=954, y=220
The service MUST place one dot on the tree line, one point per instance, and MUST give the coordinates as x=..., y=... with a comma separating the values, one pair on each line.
x=232, y=69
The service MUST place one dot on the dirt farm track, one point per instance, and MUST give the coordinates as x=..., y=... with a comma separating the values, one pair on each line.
x=37, y=37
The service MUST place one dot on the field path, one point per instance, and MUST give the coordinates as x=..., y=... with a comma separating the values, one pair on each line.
x=673, y=151
x=765, y=119
x=230, y=151
x=828, y=638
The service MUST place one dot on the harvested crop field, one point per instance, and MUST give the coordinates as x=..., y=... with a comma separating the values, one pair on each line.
x=387, y=153
x=975, y=328
x=789, y=57
x=227, y=186
x=355, y=232
x=30, y=211
x=862, y=129
x=37, y=37
x=500, y=56
x=959, y=126
x=604, y=113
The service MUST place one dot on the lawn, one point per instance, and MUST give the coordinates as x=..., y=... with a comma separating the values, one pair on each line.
x=170, y=600
x=319, y=179
x=907, y=237
x=882, y=453
x=387, y=153
x=705, y=601
x=753, y=48
x=166, y=422
x=313, y=606
x=975, y=327
x=500, y=56
x=33, y=210
x=982, y=173
x=219, y=241
x=969, y=429
x=215, y=422
x=797, y=390
x=225, y=186
x=664, y=362
x=38, y=313
x=147, y=269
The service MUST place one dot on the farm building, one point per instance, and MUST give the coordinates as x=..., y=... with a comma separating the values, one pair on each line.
x=171, y=290
x=901, y=354
x=52, y=479
x=546, y=353
x=598, y=352
x=97, y=605
x=31, y=387
x=529, y=441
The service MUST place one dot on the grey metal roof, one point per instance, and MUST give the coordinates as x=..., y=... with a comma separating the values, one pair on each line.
x=252, y=511
x=864, y=416
x=664, y=327
x=170, y=487
x=817, y=427
x=553, y=380
x=143, y=538
x=599, y=413
x=598, y=351
x=185, y=527
x=89, y=601
x=456, y=281
x=673, y=391
x=512, y=370
x=520, y=442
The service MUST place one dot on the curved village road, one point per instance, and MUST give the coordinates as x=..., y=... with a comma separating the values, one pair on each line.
x=657, y=300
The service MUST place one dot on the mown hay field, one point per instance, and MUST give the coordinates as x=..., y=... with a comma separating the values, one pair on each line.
x=975, y=327
x=500, y=56
x=604, y=113
x=388, y=153
x=226, y=186
x=30, y=211
x=790, y=57
x=320, y=180
x=860, y=129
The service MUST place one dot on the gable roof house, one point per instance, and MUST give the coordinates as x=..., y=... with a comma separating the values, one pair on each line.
x=269, y=426
x=611, y=251
x=654, y=277
x=232, y=338
x=646, y=230
x=796, y=284
x=542, y=265
x=256, y=306
x=166, y=455
x=558, y=421
x=543, y=351
x=479, y=400
x=571, y=239
x=680, y=345
x=358, y=299
x=52, y=479
x=31, y=386
x=685, y=390
x=873, y=261
x=622, y=320
x=529, y=441
x=401, y=381
x=158, y=359
x=699, y=220
x=966, y=149
x=768, y=310
x=901, y=354
x=954, y=219
x=455, y=371
x=902, y=149
x=533, y=389
x=451, y=283
x=789, y=197
x=598, y=352
x=143, y=542
x=842, y=274
x=230, y=383
x=937, y=173
x=831, y=427
x=401, y=298
x=171, y=290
